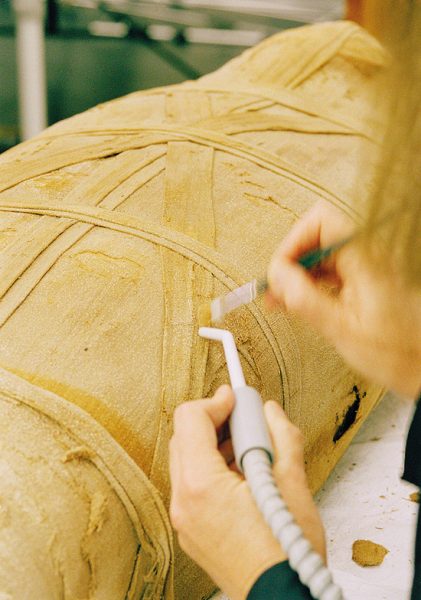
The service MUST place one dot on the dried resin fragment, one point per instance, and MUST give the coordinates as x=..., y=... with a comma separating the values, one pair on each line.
x=367, y=553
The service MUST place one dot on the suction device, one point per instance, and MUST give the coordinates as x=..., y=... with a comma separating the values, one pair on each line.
x=254, y=456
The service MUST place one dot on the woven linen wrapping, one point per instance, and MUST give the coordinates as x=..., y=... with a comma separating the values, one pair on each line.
x=115, y=226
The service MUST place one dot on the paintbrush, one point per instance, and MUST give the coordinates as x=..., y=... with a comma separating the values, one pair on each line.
x=215, y=310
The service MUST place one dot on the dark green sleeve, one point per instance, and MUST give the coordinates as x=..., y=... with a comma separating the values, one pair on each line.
x=278, y=583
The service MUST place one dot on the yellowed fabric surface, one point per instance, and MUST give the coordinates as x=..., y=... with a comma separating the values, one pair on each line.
x=77, y=519
x=116, y=224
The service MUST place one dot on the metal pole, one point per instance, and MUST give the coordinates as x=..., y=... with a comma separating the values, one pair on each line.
x=30, y=45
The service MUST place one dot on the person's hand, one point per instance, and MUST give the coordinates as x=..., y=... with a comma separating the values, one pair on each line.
x=211, y=508
x=367, y=313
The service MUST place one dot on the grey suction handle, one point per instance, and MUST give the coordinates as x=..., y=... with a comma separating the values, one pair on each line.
x=248, y=426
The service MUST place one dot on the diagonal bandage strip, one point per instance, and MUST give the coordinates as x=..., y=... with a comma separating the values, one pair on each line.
x=200, y=254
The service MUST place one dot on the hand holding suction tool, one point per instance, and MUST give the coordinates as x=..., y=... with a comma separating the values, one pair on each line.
x=254, y=456
x=248, y=426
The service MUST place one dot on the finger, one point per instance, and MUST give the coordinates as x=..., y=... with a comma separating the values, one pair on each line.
x=287, y=439
x=232, y=466
x=299, y=293
x=212, y=411
x=174, y=467
x=289, y=468
x=195, y=426
x=290, y=475
x=271, y=302
x=319, y=227
x=227, y=451
x=327, y=274
x=326, y=277
x=223, y=432
x=303, y=237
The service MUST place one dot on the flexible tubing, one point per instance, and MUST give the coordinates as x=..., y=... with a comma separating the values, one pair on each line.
x=303, y=559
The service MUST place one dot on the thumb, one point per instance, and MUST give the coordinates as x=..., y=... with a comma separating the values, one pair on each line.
x=295, y=289
x=195, y=425
x=200, y=418
x=220, y=406
x=287, y=439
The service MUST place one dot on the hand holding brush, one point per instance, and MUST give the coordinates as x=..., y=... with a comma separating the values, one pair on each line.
x=215, y=311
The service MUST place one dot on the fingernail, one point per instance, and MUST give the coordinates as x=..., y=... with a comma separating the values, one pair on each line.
x=275, y=279
x=223, y=392
x=275, y=293
x=273, y=408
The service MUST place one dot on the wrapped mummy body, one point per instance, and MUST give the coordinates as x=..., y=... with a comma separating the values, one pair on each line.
x=115, y=225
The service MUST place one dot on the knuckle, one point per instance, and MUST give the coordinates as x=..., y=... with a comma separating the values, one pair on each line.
x=289, y=473
x=182, y=542
x=194, y=488
x=293, y=434
x=297, y=437
x=292, y=465
x=177, y=516
x=189, y=501
x=172, y=445
x=284, y=470
x=181, y=411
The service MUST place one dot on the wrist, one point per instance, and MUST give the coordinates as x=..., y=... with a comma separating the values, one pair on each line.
x=250, y=579
x=247, y=560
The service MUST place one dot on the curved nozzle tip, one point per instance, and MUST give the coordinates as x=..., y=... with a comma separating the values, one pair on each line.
x=230, y=349
x=213, y=333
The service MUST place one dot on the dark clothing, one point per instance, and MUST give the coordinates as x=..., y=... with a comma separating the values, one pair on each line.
x=281, y=582
x=412, y=473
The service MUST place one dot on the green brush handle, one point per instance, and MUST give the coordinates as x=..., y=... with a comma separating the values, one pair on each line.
x=311, y=259
x=314, y=257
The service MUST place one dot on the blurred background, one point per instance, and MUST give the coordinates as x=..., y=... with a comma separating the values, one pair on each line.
x=60, y=57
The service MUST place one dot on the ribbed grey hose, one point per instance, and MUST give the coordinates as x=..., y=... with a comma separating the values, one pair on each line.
x=302, y=558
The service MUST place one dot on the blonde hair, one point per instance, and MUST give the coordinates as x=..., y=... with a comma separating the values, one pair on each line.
x=396, y=200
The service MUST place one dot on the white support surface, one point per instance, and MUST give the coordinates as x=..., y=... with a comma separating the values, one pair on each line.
x=364, y=498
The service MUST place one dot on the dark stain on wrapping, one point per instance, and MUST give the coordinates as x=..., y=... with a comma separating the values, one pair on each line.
x=350, y=415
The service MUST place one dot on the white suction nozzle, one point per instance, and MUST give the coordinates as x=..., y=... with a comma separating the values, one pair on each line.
x=231, y=354
x=248, y=426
